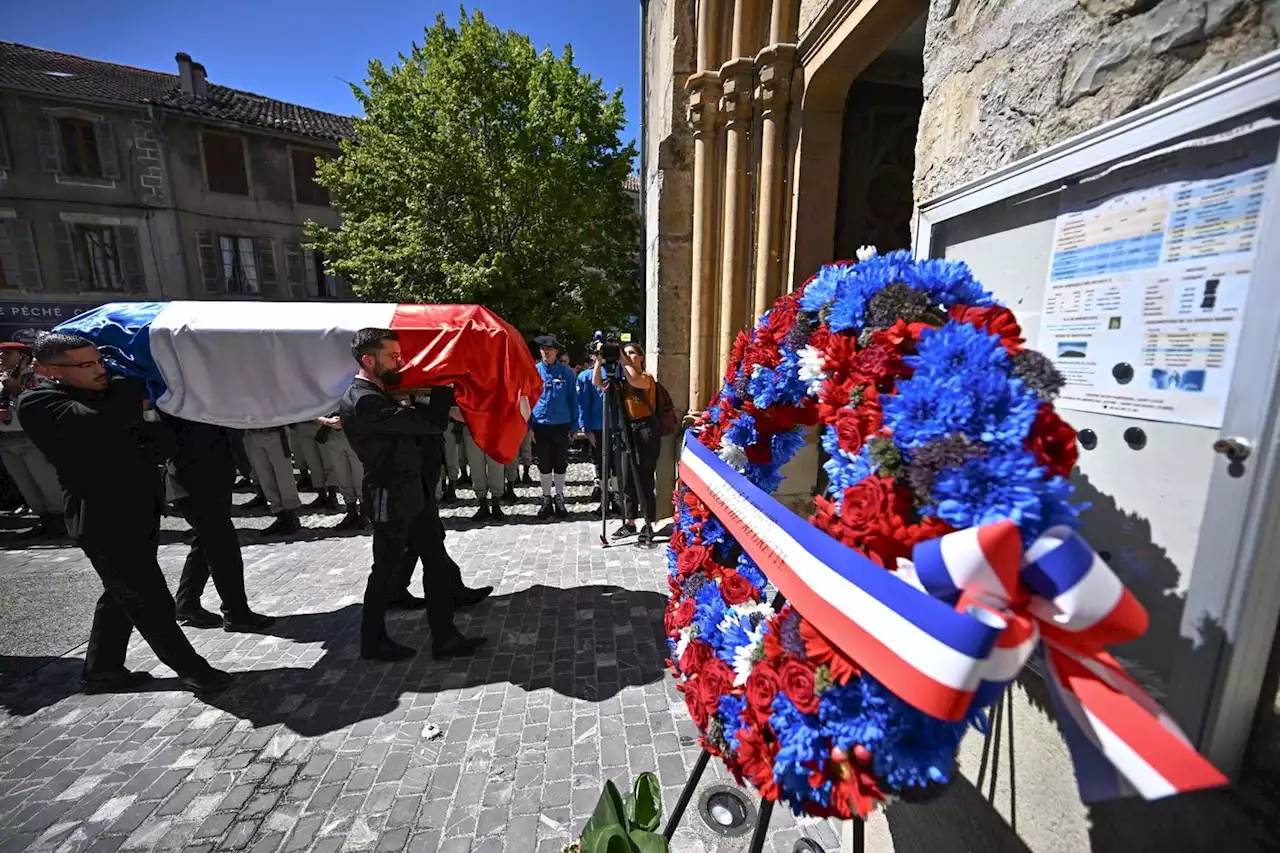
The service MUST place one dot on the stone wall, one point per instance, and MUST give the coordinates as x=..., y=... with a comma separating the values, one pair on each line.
x=669, y=44
x=810, y=12
x=1007, y=78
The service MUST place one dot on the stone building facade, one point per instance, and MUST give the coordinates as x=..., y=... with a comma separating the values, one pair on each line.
x=782, y=134
x=119, y=183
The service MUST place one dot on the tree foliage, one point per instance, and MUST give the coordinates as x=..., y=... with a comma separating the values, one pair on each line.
x=487, y=172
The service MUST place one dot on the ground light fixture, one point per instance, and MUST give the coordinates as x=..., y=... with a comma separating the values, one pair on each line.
x=726, y=811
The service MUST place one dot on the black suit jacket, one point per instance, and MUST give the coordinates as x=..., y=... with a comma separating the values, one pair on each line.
x=387, y=437
x=203, y=466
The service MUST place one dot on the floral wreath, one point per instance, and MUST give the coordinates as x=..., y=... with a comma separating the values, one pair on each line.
x=934, y=418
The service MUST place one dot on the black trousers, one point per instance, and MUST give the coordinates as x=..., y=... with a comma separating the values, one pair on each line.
x=241, y=455
x=392, y=542
x=440, y=574
x=642, y=466
x=122, y=547
x=551, y=447
x=215, y=550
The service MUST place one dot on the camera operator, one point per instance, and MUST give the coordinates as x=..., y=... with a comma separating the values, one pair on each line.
x=639, y=399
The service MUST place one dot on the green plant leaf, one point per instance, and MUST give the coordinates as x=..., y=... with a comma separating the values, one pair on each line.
x=646, y=799
x=648, y=842
x=610, y=839
x=608, y=813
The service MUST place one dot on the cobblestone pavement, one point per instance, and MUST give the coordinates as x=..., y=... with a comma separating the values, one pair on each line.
x=315, y=749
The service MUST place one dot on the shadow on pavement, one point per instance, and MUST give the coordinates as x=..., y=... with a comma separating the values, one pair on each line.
x=586, y=642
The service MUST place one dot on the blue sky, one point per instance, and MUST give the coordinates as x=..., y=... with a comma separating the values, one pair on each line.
x=303, y=51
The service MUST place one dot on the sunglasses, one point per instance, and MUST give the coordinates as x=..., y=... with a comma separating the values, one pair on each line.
x=82, y=365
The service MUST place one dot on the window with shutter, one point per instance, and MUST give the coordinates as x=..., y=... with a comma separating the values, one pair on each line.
x=293, y=268
x=50, y=150
x=4, y=146
x=130, y=259
x=24, y=247
x=97, y=255
x=207, y=254
x=10, y=277
x=108, y=156
x=80, y=153
x=267, y=265
x=305, y=188
x=68, y=268
x=309, y=263
x=224, y=163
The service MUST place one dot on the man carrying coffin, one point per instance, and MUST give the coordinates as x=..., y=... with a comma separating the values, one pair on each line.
x=97, y=433
x=386, y=435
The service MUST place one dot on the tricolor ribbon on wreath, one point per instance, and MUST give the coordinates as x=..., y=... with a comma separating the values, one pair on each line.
x=973, y=609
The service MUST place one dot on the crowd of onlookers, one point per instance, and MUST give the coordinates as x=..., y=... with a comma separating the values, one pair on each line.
x=279, y=464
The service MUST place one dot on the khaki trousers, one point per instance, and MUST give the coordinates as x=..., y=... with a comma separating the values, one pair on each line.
x=306, y=452
x=486, y=472
x=272, y=469
x=342, y=468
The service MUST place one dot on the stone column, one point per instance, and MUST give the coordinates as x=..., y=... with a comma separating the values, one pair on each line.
x=704, y=97
x=736, y=76
x=773, y=95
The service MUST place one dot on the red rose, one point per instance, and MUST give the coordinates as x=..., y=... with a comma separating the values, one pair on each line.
x=849, y=431
x=1053, y=441
x=879, y=363
x=762, y=685
x=994, y=319
x=866, y=502
x=683, y=615
x=716, y=679
x=797, y=683
x=820, y=338
x=783, y=316
x=695, y=657
x=693, y=701
x=678, y=540
x=839, y=356
x=690, y=560
x=757, y=751
x=736, y=589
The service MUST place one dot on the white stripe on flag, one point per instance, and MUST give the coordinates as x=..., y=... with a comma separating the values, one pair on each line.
x=924, y=652
x=1144, y=778
x=962, y=550
x=258, y=364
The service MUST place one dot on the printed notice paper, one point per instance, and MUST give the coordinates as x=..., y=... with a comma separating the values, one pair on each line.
x=1148, y=279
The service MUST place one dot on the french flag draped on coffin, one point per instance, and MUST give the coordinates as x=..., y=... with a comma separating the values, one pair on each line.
x=263, y=364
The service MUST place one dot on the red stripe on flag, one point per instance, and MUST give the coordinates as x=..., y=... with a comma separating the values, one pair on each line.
x=903, y=679
x=1170, y=756
x=1001, y=544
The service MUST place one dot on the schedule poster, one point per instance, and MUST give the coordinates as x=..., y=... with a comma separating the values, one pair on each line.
x=1148, y=279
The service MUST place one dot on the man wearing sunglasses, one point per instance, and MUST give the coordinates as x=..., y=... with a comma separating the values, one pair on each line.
x=101, y=438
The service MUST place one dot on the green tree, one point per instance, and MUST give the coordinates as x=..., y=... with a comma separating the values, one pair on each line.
x=487, y=172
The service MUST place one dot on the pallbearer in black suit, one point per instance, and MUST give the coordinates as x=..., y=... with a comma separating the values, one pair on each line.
x=386, y=434
x=439, y=571
x=199, y=480
x=106, y=449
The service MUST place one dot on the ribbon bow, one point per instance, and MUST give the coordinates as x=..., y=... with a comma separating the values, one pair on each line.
x=978, y=609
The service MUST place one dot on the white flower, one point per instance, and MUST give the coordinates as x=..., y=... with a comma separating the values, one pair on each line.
x=733, y=455
x=866, y=253
x=686, y=636
x=745, y=655
x=811, y=372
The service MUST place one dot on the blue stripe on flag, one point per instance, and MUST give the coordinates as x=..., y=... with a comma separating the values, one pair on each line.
x=121, y=331
x=957, y=630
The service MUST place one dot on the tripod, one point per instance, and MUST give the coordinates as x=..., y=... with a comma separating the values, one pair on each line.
x=615, y=381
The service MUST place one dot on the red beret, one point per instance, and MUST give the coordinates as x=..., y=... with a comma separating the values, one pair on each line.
x=15, y=345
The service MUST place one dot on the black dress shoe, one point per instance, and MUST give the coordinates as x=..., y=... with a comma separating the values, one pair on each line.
x=247, y=623
x=353, y=520
x=595, y=493
x=561, y=510
x=646, y=536
x=386, y=650
x=286, y=524
x=484, y=513
x=208, y=682
x=471, y=597
x=406, y=602
x=495, y=509
x=457, y=646
x=257, y=502
x=120, y=681
x=548, y=507
x=527, y=479
x=199, y=618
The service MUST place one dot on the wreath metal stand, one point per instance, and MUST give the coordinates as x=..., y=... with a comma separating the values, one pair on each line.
x=762, y=820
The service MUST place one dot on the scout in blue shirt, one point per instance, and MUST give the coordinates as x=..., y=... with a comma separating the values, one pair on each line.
x=591, y=421
x=554, y=418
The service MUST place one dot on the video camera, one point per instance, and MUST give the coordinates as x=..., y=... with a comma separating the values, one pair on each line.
x=608, y=348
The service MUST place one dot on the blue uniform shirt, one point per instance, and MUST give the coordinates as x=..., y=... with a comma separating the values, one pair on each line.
x=558, y=403
x=590, y=403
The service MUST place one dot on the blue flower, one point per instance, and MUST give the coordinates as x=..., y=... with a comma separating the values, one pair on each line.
x=1003, y=486
x=961, y=385
x=785, y=445
x=802, y=746
x=743, y=431
x=748, y=569
x=731, y=635
x=843, y=472
x=948, y=283
x=709, y=610
x=730, y=712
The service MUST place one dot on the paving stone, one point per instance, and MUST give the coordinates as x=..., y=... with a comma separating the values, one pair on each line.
x=314, y=749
